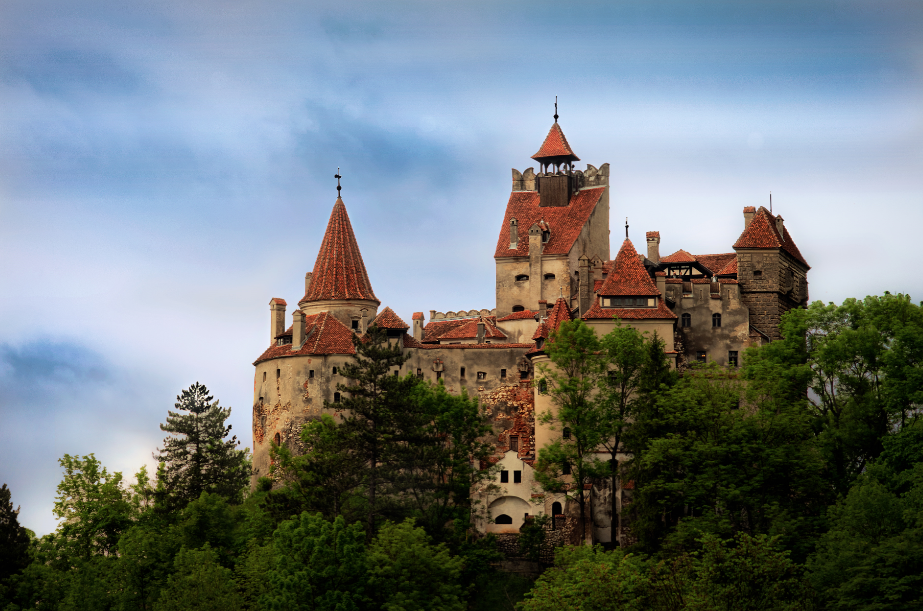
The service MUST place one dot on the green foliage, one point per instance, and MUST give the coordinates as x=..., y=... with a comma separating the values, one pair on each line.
x=407, y=572
x=198, y=457
x=199, y=583
x=14, y=541
x=93, y=506
x=532, y=537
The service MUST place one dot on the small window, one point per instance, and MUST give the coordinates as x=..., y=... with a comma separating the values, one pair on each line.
x=334, y=371
x=546, y=235
x=518, y=308
x=542, y=387
x=556, y=509
x=757, y=274
x=336, y=397
x=716, y=320
x=522, y=277
x=732, y=358
x=700, y=356
x=549, y=276
x=397, y=372
x=514, y=443
x=419, y=373
x=539, y=342
x=278, y=373
x=503, y=519
x=504, y=477
x=482, y=375
x=438, y=375
x=310, y=374
x=517, y=477
x=565, y=468
x=523, y=375
x=264, y=376
x=355, y=325
x=565, y=433
x=686, y=320
x=503, y=374
x=462, y=372
x=277, y=439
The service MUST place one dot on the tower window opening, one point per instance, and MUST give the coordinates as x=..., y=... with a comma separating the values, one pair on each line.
x=264, y=376
x=355, y=325
x=503, y=374
x=523, y=375
x=518, y=308
x=278, y=374
x=565, y=433
x=277, y=439
x=462, y=372
x=549, y=276
x=565, y=468
x=310, y=374
x=522, y=277
x=517, y=478
x=336, y=397
x=700, y=356
x=334, y=371
x=757, y=274
x=732, y=358
x=482, y=375
x=546, y=235
x=716, y=320
x=686, y=320
x=542, y=387
x=504, y=477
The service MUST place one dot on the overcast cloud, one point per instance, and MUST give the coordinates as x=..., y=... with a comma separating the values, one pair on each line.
x=167, y=167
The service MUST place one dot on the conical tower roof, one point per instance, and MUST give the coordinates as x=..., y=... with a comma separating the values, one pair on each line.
x=628, y=276
x=555, y=146
x=339, y=272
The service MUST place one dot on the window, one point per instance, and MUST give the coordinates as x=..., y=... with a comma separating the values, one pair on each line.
x=419, y=373
x=504, y=477
x=556, y=509
x=277, y=439
x=539, y=342
x=397, y=372
x=514, y=443
x=542, y=387
x=565, y=468
x=716, y=320
x=278, y=374
x=757, y=274
x=700, y=356
x=355, y=325
x=522, y=277
x=549, y=276
x=336, y=397
x=546, y=235
x=503, y=519
x=334, y=371
x=264, y=376
x=482, y=375
x=517, y=477
x=686, y=320
x=518, y=308
x=524, y=375
x=462, y=372
x=732, y=358
x=503, y=374
x=565, y=433
x=438, y=375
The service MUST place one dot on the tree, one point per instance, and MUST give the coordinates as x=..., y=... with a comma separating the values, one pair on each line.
x=578, y=371
x=407, y=572
x=14, y=539
x=198, y=457
x=199, y=583
x=93, y=505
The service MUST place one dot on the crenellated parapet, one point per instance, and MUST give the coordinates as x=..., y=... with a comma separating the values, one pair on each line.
x=586, y=179
x=434, y=315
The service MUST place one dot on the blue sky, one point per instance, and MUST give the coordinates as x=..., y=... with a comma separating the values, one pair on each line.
x=166, y=168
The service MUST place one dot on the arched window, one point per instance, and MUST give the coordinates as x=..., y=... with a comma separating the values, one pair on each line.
x=336, y=397
x=334, y=371
x=556, y=509
x=518, y=308
x=503, y=519
x=686, y=320
x=716, y=320
x=549, y=276
x=277, y=439
x=522, y=277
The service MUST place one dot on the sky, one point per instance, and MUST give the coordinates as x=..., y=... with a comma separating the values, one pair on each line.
x=167, y=167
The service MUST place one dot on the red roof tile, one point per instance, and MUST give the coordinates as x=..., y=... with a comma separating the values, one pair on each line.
x=410, y=342
x=387, y=319
x=762, y=233
x=555, y=145
x=474, y=346
x=653, y=234
x=559, y=313
x=469, y=330
x=628, y=275
x=278, y=301
x=417, y=316
x=325, y=335
x=565, y=222
x=339, y=272
x=541, y=332
x=599, y=313
x=436, y=328
x=596, y=285
x=680, y=256
x=730, y=268
x=519, y=315
x=716, y=262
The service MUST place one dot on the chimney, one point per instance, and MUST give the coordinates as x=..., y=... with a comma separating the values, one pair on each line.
x=418, y=326
x=297, y=329
x=307, y=283
x=480, y=339
x=585, y=288
x=749, y=211
x=542, y=309
x=276, y=318
x=514, y=234
x=653, y=246
x=780, y=227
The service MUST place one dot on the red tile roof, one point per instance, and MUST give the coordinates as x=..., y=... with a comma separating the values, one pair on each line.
x=749, y=209
x=325, y=335
x=474, y=346
x=596, y=285
x=339, y=272
x=716, y=262
x=628, y=275
x=730, y=268
x=387, y=319
x=565, y=222
x=417, y=316
x=410, y=342
x=519, y=315
x=599, y=313
x=436, y=328
x=762, y=233
x=555, y=145
x=277, y=300
x=541, y=332
x=469, y=330
x=653, y=234
x=680, y=256
x=559, y=313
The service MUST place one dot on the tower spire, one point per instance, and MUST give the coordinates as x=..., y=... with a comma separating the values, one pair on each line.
x=626, y=227
x=338, y=177
x=555, y=109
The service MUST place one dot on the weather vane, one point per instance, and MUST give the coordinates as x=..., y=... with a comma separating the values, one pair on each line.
x=626, y=227
x=555, y=109
x=338, y=177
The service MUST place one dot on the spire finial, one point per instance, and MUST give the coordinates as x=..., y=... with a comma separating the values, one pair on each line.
x=626, y=227
x=555, y=109
x=770, y=202
x=338, y=177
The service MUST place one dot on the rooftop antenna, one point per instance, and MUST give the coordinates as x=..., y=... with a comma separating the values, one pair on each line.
x=626, y=227
x=338, y=177
x=555, y=109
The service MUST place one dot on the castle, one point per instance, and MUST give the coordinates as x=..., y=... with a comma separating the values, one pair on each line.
x=552, y=264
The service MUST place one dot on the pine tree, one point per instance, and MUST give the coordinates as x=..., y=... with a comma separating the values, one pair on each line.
x=198, y=457
x=14, y=540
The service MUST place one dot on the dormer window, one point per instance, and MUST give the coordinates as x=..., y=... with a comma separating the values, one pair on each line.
x=546, y=235
x=522, y=277
x=628, y=302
